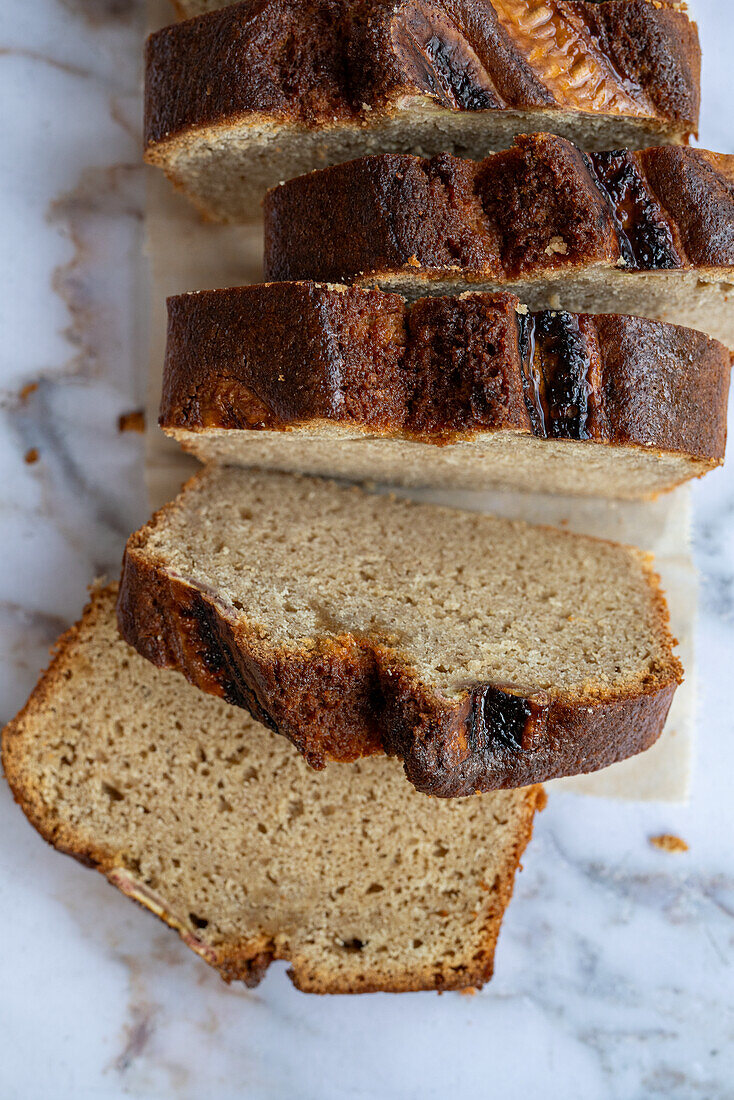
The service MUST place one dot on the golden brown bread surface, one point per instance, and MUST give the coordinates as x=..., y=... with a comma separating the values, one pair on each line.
x=486, y=654
x=218, y=827
x=648, y=233
x=256, y=92
x=334, y=373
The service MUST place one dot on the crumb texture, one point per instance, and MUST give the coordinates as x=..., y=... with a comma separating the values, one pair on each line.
x=218, y=826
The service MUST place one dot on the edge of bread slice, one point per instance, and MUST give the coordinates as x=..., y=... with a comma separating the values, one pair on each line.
x=648, y=233
x=245, y=96
x=220, y=829
x=468, y=392
x=485, y=653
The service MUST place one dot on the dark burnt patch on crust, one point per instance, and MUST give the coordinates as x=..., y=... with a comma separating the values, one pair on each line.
x=437, y=57
x=645, y=234
x=502, y=716
x=561, y=376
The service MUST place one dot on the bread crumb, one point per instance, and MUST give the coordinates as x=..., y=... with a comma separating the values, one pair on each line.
x=523, y=309
x=414, y=261
x=133, y=421
x=666, y=842
x=28, y=389
x=557, y=244
x=31, y=456
x=621, y=262
x=470, y=991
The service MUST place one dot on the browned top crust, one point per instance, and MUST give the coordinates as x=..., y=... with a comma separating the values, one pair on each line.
x=317, y=62
x=540, y=207
x=276, y=355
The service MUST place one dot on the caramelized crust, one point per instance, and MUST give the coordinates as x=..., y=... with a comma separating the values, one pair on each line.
x=539, y=208
x=270, y=357
x=318, y=62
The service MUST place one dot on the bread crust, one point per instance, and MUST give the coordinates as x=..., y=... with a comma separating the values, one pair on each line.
x=346, y=697
x=323, y=62
x=536, y=210
x=282, y=355
x=247, y=961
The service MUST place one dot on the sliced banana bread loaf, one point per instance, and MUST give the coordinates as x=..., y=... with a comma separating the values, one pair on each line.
x=485, y=653
x=466, y=391
x=648, y=233
x=219, y=828
x=241, y=98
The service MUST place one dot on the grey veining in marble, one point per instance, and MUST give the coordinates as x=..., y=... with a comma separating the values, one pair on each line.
x=614, y=975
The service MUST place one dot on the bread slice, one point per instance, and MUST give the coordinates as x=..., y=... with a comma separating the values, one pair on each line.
x=648, y=233
x=219, y=828
x=486, y=654
x=467, y=391
x=243, y=97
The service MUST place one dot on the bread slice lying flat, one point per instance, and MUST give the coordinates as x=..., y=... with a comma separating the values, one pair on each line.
x=466, y=391
x=254, y=93
x=485, y=653
x=219, y=828
x=649, y=233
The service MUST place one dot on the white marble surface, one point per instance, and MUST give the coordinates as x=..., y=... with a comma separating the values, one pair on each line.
x=614, y=971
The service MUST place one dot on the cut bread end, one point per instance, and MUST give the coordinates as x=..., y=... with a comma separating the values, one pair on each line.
x=219, y=828
x=506, y=460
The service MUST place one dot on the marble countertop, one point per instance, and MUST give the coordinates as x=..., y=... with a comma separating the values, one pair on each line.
x=614, y=974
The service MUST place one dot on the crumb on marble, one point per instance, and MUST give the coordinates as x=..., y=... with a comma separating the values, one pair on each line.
x=133, y=421
x=666, y=842
x=31, y=456
x=28, y=389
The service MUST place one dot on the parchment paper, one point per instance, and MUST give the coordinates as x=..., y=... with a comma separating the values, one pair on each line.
x=186, y=253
